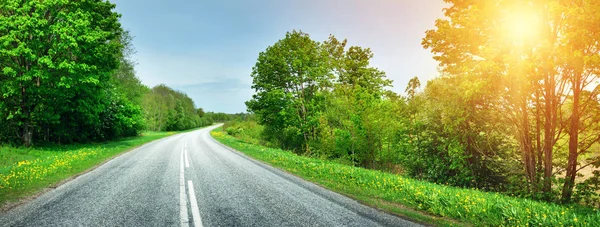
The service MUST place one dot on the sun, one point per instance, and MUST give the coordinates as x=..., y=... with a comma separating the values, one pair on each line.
x=521, y=25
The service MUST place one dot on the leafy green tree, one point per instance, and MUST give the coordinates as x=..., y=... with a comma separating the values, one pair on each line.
x=56, y=49
x=461, y=140
x=125, y=79
x=411, y=89
x=200, y=112
x=167, y=109
x=356, y=102
x=218, y=117
x=289, y=78
x=158, y=105
x=580, y=64
x=533, y=55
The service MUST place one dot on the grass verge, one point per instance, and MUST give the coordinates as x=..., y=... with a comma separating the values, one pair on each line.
x=27, y=171
x=418, y=200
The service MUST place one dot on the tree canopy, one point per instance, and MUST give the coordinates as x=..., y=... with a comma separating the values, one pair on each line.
x=60, y=49
x=514, y=108
x=534, y=60
x=67, y=75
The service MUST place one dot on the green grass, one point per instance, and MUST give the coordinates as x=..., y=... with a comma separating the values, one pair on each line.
x=26, y=171
x=419, y=200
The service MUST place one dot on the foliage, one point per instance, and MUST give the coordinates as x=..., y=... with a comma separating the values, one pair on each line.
x=222, y=117
x=472, y=206
x=66, y=50
x=536, y=62
x=356, y=109
x=289, y=79
x=423, y=135
x=456, y=139
x=504, y=116
x=125, y=80
x=168, y=110
x=248, y=130
x=26, y=170
x=77, y=54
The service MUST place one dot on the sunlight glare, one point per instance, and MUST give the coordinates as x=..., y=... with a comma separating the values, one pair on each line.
x=522, y=25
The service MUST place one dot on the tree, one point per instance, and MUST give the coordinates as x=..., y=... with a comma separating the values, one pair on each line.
x=459, y=139
x=289, y=78
x=171, y=110
x=356, y=100
x=531, y=56
x=200, y=112
x=411, y=89
x=124, y=78
x=50, y=49
x=581, y=65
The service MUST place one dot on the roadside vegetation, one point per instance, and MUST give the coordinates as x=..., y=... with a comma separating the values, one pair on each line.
x=515, y=109
x=513, y=118
x=67, y=76
x=396, y=193
x=70, y=97
x=25, y=171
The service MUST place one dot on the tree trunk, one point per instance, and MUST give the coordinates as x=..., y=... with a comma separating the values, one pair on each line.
x=526, y=147
x=538, y=134
x=573, y=143
x=352, y=147
x=26, y=133
x=549, y=131
x=303, y=113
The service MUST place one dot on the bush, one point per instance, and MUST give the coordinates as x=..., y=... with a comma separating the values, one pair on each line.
x=468, y=205
x=248, y=130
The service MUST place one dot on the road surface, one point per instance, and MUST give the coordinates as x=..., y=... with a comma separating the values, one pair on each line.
x=189, y=179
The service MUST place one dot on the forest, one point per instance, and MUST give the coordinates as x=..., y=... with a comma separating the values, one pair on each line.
x=514, y=110
x=67, y=76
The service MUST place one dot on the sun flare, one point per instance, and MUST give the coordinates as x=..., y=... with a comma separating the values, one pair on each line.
x=522, y=25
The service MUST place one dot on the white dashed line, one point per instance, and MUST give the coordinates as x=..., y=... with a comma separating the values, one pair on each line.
x=183, y=212
x=187, y=163
x=194, y=204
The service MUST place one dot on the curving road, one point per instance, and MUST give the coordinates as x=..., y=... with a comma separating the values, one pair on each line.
x=189, y=179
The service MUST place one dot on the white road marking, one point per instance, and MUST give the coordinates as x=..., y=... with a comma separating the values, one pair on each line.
x=194, y=203
x=183, y=212
x=187, y=163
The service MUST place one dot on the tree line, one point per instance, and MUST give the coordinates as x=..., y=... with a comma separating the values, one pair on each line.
x=66, y=76
x=517, y=116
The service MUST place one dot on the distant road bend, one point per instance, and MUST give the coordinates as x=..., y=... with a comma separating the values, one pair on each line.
x=189, y=179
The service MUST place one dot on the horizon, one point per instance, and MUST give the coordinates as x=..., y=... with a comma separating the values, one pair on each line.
x=219, y=42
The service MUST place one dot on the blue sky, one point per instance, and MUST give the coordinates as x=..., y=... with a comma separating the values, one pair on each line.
x=207, y=48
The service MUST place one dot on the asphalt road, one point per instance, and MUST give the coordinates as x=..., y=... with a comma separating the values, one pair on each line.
x=189, y=179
